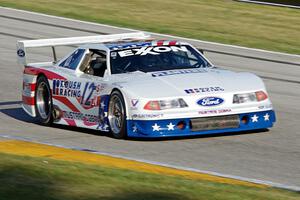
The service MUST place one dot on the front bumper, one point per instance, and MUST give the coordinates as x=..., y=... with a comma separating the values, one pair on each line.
x=184, y=127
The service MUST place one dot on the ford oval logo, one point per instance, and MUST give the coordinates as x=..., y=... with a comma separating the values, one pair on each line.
x=210, y=101
x=21, y=53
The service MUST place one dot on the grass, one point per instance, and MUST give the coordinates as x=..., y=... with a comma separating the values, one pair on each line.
x=43, y=178
x=225, y=21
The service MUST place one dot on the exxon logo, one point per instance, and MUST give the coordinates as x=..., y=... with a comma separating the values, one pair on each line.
x=210, y=101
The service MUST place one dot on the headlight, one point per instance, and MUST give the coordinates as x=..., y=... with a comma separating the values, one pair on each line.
x=165, y=104
x=249, y=97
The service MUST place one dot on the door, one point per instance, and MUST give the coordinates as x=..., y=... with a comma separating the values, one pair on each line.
x=81, y=98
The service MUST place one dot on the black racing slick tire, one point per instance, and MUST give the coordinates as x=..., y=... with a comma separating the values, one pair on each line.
x=117, y=115
x=43, y=101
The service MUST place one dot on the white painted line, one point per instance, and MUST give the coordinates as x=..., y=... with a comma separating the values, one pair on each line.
x=158, y=34
x=270, y=4
x=251, y=180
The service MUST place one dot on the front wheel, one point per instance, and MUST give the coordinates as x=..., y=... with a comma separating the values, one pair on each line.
x=43, y=101
x=117, y=115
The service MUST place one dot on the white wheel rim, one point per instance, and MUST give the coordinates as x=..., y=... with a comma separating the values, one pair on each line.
x=116, y=114
x=43, y=101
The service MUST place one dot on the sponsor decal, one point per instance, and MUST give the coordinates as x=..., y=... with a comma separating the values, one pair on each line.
x=21, y=53
x=101, y=121
x=80, y=116
x=134, y=102
x=207, y=112
x=66, y=88
x=91, y=95
x=210, y=101
x=204, y=90
x=88, y=97
x=181, y=71
x=142, y=116
x=270, y=106
x=151, y=50
x=130, y=45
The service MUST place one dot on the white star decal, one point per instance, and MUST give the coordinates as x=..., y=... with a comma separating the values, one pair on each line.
x=156, y=127
x=105, y=127
x=102, y=105
x=267, y=117
x=170, y=126
x=134, y=129
x=254, y=118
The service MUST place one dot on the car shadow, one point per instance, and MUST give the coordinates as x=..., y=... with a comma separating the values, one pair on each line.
x=216, y=135
x=16, y=112
x=106, y=134
x=6, y=103
x=19, y=114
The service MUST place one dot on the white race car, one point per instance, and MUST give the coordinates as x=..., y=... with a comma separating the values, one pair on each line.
x=133, y=86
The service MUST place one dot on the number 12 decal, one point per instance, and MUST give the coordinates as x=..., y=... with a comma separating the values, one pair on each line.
x=89, y=88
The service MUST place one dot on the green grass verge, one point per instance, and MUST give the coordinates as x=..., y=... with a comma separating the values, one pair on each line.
x=230, y=22
x=30, y=178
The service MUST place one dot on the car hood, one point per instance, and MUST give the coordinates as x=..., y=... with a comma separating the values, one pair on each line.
x=185, y=82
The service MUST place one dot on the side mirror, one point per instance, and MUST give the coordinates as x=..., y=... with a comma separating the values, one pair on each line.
x=201, y=51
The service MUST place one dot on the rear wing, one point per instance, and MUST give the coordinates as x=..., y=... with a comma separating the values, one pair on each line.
x=24, y=44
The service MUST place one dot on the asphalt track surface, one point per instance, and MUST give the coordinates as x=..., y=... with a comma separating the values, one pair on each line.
x=270, y=156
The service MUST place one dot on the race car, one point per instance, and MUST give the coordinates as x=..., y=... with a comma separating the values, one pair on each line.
x=132, y=85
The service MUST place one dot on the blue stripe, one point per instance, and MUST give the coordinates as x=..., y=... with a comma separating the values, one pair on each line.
x=146, y=128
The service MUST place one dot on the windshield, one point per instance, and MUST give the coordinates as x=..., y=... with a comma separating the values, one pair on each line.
x=156, y=58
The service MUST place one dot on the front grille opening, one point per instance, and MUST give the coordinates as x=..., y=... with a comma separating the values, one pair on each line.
x=215, y=123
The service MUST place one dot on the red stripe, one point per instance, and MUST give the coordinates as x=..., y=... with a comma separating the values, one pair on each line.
x=71, y=122
x=32, y=86
x=35, y=71
x=28, y=100
x=87, y=123
x=173, y=42
x=67, y=102
x=160, y=42
x=31, y=70
x=29, y=85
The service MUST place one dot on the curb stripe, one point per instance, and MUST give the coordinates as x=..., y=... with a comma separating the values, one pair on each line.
x=251, y=180
x=31, y=149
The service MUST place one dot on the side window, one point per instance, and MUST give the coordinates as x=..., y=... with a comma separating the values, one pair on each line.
x=181, y=58
x=192, y=58
x=73, y=60
x=94, y=63
x=189, y=59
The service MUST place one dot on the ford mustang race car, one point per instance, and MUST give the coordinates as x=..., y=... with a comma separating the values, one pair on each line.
x=133, y=86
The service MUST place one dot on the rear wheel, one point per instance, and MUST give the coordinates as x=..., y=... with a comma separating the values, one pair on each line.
x=117, y=115
x=43, y=101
